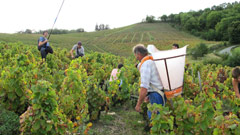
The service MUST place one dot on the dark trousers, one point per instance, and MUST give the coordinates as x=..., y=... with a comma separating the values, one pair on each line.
x=80, y=55
x=45, y=51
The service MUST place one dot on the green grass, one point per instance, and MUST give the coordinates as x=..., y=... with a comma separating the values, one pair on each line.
x=117, y=41
x=125, y=121
x=236, y=48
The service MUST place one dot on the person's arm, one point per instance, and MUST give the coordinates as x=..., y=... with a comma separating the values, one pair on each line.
x=71, y=52
x=142, y=96
x=111, y=77
x=235, y=87
x=42, y=41
x=83, y=50
x=145, y=73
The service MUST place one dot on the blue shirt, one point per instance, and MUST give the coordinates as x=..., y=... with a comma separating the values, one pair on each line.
x=42, y=39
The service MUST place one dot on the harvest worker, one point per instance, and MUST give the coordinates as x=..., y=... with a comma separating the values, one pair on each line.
x=115, y=72
x=175, y=46
x=43, y=45
x=151, y=85
x=79, y=50
x=236, y=81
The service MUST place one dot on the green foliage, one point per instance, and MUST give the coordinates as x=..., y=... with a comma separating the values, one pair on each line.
x=199, y=51
x=64, y=94
x=15, y=75
x=210, y=35
x=20, y=68
x=171, y=17
x=184, y=17
x=62, y=31
x=163, y=18
x=234, y=34
x=150, y=19
x=212, y=110
x=9, y=122
x=234, y=59
x=210, y=59
x=219, y=46
x=72, y=96
x=102, y=94
x=213, y=18
x=191, y=24
x=202, y=20
x=163, y=122
x=211, y=24
x=45, y=117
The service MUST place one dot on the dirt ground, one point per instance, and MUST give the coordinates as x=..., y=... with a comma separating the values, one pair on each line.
x=120, y=120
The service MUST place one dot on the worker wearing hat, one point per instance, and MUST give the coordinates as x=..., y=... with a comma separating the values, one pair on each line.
x=79, y=50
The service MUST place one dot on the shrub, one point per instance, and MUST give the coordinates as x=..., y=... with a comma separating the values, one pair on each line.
x=199, y=51
x=234, y=59
x=209, y=35
x=210, y=59
x=9, y=122
x=215, y=47
x=150, y=19
x=233, y=30
x=45, y=118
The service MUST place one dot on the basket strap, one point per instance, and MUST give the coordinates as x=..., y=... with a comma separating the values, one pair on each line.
x=159, y=92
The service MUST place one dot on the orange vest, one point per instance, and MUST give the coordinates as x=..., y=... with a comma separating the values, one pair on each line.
x=145, y=59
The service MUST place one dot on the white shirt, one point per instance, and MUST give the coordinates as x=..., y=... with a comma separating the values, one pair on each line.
x=149, y=75
x=80, y=50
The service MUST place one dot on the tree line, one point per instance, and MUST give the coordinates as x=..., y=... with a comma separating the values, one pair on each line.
x=54, y=31
x=219, y=23
x=101, y=27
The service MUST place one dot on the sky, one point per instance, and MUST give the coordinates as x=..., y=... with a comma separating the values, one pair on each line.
x=19, y=15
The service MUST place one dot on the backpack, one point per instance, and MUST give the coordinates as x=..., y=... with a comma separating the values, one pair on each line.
x=169, y=94
x=39, y=47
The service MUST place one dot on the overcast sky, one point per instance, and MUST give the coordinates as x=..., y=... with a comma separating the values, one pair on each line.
x=19, y=15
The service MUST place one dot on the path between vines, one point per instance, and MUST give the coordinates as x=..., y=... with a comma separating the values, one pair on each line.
x=120, y=120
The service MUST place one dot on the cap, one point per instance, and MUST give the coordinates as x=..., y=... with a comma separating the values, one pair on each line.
x=79, y=43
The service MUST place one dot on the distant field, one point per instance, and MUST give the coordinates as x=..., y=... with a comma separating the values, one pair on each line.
x=117, y=41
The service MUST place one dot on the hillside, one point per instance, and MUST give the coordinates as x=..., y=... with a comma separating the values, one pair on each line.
x=117, y=41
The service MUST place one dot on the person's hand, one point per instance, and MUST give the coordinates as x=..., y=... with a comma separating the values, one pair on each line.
x=136, y=65
x=72, y=57
x=146, y=99
x=138, y=108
